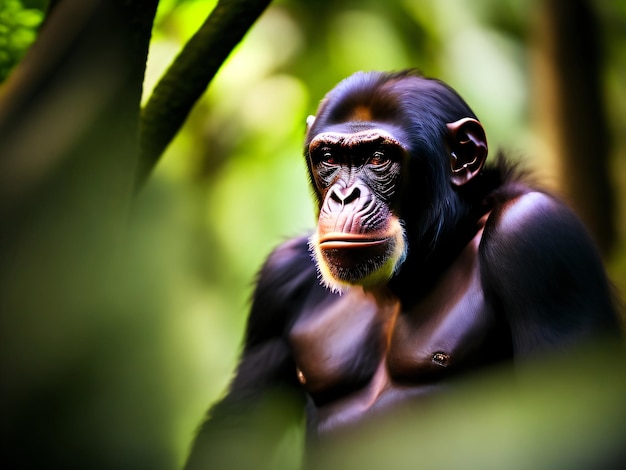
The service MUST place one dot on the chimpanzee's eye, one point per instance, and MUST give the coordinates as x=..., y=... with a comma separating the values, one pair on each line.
x=378, y=158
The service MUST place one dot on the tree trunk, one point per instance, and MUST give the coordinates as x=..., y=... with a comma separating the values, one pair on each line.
x=69, y=123
x=571, y=114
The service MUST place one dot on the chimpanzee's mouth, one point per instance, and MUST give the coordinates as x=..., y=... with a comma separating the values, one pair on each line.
x=338, y=240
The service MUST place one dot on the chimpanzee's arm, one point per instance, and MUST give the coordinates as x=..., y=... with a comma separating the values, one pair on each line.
x=242, y=430
x=541, y=271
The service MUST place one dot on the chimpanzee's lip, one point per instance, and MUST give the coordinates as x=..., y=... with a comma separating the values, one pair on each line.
x=337, y=240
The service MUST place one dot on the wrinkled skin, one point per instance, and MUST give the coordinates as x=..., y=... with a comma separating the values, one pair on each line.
x=358, y=239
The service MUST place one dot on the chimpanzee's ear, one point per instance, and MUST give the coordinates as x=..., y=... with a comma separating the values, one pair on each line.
x=310, y=120
x=468, y=149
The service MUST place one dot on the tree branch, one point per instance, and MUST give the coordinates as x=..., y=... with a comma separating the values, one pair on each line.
x=189, y=76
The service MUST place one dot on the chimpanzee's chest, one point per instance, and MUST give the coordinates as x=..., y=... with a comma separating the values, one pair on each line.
x=361, y=349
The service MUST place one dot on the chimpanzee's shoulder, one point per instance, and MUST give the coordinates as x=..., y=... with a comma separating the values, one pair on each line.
x=283, y=282
x=527, y=224
x=517, y=201
x=520, y=208
x=523, y=212
x=289, y=263
x=532, y=234
x=541, y=266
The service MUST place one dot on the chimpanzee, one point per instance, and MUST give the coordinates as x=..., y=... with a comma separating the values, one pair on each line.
x=425, y=264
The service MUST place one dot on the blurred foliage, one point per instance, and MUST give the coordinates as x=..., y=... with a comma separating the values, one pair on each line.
x=233, y=185
x=559, y=413
x=18, y=29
